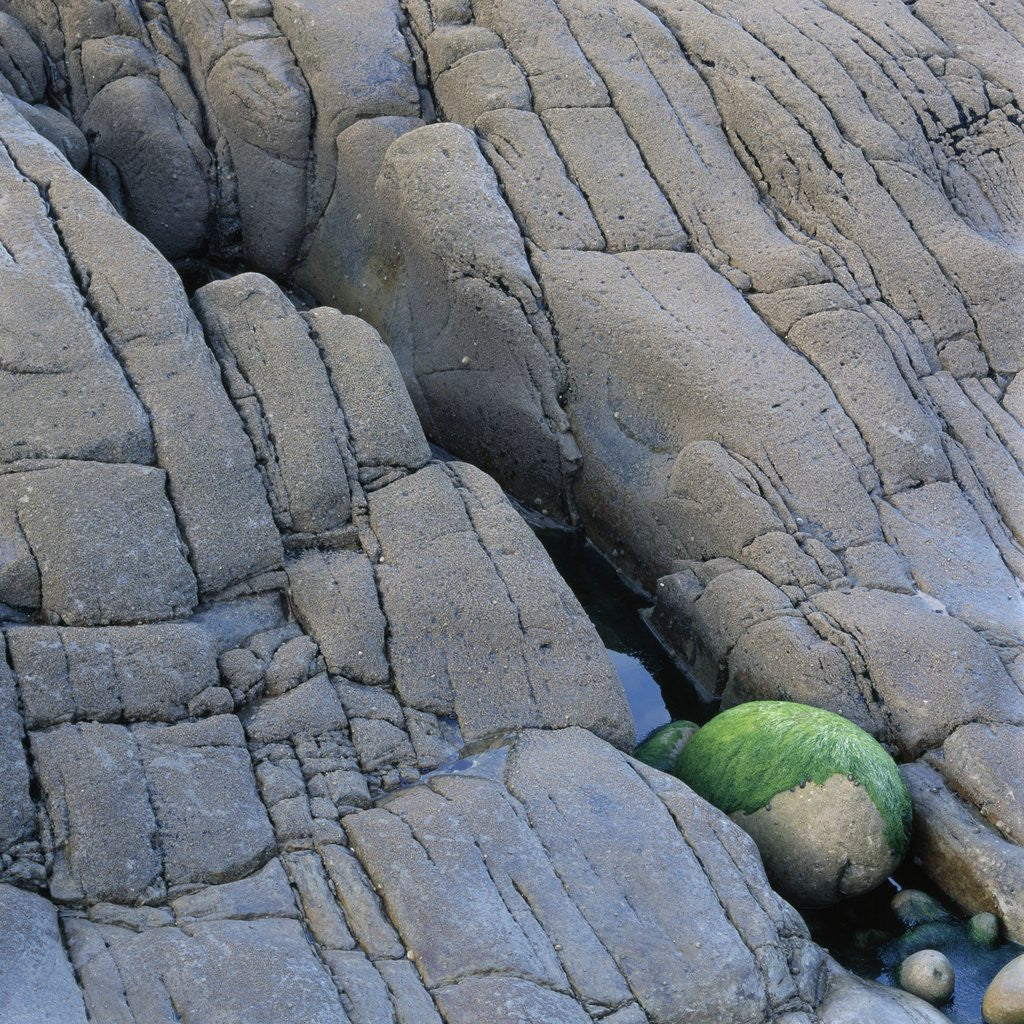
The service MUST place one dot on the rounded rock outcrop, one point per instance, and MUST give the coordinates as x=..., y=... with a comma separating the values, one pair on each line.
x=821, y=798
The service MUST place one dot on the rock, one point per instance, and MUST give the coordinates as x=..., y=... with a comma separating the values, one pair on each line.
x=847, y=247
x=966, y=858
x=822, y=799
x=928, y=974
x=983, y=929
x=1004, y=998
x=935, y=935
x=662, y=748
x=850, y=1000
x=136, y=673
x=17, y=810
x=103, y=540
x=38, y=981
x=985, y=764
x=806, y=422
x=914, y=907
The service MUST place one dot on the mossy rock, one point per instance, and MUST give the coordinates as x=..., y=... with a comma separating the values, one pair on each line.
x=945, y=936
x=822, y=799
x=661, y=749
x=983, y=929
x=914, y=907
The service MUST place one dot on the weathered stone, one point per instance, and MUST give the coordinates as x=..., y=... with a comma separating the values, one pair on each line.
x=262, y=969
x=156, y=153
x=471, y=629
x=818, y=396
x=212, y=825
x=264, y=893
x=363, y=912
x=371, y=702
x=917, y=669
x=380, y=743
x=103, y=541
x=552, y=209
x=970, y=861
x=382, y=424
x=58, y=401
x=609, y=170
x=550, y=890
x=105, y=835
x=319, y=907
x=131, y=673
x=17, y=813
x=212, y=481
x=984, y=764
x=279, y=383
x=335, y=598
x=482, y=80
x=38, y=981
x=310, y=708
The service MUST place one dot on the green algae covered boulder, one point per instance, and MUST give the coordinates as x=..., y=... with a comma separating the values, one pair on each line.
x=661, y=749
x=821, y=798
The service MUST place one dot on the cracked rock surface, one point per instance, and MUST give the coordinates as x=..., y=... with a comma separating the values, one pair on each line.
x=735, y=284
x=248, y=625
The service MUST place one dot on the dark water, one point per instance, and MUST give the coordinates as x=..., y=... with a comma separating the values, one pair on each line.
x=658, y=690
x=863, y=933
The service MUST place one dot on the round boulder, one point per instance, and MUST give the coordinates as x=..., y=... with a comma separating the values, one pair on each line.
x=1004, y=998
x=928, y=974
x=821, y=798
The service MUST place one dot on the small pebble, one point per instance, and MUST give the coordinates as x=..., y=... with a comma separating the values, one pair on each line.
x=983, y=929
x=927, y=974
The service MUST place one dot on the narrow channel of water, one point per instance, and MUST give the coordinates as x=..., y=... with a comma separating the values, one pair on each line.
x=658, y=690
x=863, y=934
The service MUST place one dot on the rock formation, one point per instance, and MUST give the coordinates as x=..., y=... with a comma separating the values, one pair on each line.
x=249, y=622
x=735, y=285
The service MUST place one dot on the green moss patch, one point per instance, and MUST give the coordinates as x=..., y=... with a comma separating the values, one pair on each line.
x=748, y=754
x=662, y=747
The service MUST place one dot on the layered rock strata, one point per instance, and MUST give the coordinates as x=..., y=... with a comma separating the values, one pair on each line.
x=734, y=284
x=249, y=624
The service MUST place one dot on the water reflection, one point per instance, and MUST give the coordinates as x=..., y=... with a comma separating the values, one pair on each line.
x=658, y=690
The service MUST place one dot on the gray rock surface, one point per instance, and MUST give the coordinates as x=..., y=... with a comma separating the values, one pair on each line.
x=244, y=646
x=733, y=284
